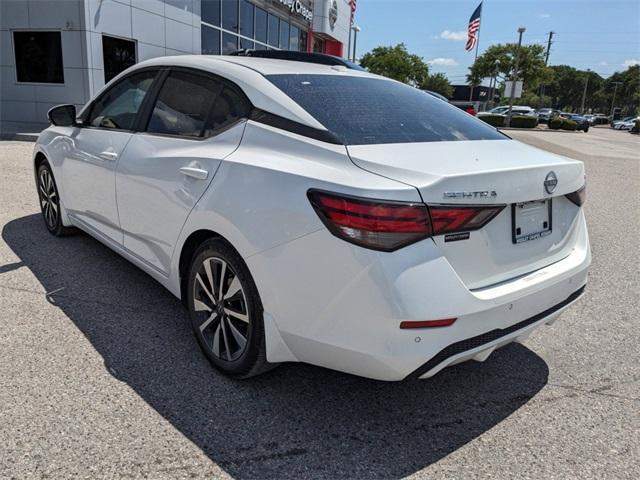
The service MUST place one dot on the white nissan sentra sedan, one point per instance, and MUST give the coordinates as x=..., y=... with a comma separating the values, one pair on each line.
x=321, y=214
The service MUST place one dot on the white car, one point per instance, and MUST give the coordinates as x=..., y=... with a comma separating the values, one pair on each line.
x=626, y=124
x=314, y=213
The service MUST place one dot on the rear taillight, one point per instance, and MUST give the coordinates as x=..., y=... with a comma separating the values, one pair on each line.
x=579, y=196
x=376, y=224
x=388, y=225
x=471, y=111
x=454, y=218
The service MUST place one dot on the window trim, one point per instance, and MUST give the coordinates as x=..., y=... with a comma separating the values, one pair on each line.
x=15, y=60
x=86, y=114
x=143, y=121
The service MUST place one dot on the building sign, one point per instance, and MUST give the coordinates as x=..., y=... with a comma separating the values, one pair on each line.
x=333, y=14
x=297, y=7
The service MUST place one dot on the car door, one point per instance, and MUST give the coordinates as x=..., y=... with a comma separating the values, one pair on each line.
x=88, y=171
x=195, y=121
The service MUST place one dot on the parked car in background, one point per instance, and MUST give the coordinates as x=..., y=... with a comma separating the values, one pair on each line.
x=600, y=119
x=625, y=124
x=546, y=114
x=581, y=121
x=589, y=118
x=515, y=110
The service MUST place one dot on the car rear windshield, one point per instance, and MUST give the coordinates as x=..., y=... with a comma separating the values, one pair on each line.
x=365, y=110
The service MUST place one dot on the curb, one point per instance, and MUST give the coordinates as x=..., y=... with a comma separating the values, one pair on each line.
x=20, y=137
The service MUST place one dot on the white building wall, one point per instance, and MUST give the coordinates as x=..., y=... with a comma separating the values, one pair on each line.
x=159, y=27
x=321, y=23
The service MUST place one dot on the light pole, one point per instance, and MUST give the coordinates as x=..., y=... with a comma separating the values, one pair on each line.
x=521, y=30
x=613, y=100
x=584, y=92
x=356, y=29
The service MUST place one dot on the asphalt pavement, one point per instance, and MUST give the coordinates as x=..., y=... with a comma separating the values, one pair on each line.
x=100, y=376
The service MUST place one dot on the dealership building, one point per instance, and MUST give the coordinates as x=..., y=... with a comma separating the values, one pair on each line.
x=64, y=51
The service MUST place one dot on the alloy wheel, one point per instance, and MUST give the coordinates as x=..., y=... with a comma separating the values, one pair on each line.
x=48, y=198
x=220, y=305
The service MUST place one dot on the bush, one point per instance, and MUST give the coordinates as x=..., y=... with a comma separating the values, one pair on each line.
x=521, y=121
x=556, y=123
x=493, y=120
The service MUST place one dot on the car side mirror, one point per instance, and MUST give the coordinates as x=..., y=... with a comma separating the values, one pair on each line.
x=63, y=116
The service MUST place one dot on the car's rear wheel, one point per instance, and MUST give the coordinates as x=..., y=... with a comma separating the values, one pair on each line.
x=50, y=201
x=225, y=311
x=586, y=129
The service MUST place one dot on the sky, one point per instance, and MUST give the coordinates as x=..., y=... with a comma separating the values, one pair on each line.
x=602, y=35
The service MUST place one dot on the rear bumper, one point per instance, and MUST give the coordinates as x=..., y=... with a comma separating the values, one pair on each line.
x=481, y=346
x=340, y=306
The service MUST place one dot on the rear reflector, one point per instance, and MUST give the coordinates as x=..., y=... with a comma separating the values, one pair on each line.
x=579, y=196
x=376, y=224
x=387, y=225
x=427, y=323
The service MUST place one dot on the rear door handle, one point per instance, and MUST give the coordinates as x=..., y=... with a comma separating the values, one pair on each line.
x=194, y=172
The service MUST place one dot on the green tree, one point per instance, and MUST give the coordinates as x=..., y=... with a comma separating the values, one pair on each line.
x=499, y=60
x=438, y=83
x=397, y=63
x=566, y=88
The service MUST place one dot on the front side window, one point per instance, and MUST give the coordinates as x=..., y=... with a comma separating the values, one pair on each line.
x=183, y=105
x=118, y=54
x=367, y=110
x=118, y=107
x=38, y=57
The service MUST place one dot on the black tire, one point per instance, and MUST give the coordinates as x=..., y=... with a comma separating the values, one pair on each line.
x=49, y=200
x=586, y=129
x=220, y=337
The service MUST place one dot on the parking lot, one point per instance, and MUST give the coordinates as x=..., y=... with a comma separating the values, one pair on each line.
x=100, y=376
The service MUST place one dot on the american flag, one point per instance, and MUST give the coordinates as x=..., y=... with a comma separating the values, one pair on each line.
x=352, y=4
x=474, y=26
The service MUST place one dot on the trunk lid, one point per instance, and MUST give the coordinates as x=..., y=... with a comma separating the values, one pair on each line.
x=468, y=173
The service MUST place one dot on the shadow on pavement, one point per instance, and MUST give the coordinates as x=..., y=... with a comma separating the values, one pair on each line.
x=297, y=421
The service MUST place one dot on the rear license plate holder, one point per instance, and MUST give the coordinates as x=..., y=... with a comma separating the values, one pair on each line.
x=530, y=220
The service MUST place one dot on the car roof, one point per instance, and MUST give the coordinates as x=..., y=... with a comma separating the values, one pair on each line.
x=249, y=74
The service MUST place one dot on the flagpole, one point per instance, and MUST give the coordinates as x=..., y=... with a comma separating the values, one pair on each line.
x=476, y=57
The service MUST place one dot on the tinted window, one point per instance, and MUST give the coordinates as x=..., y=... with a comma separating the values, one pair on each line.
x=273, y=30
x=246, y=18
x=211, y=12
x=230, y=15
x=210, y=41
x=261, y=25
x=284, y=35
x=118, y=55
x=38, y=57
x=229, y=107
x=294, y=38
x=118, y=106
x=365, y=110
x=229, y=43
x=183, y=105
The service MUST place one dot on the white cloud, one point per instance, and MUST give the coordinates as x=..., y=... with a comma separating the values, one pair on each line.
x=604, y=63
x=544, y=15
x=456, y=36
x=631, y=62
x=448, y=62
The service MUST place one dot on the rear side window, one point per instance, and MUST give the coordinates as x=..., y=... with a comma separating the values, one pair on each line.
x=366, y=110
x=184, y=104
x=228, y=109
